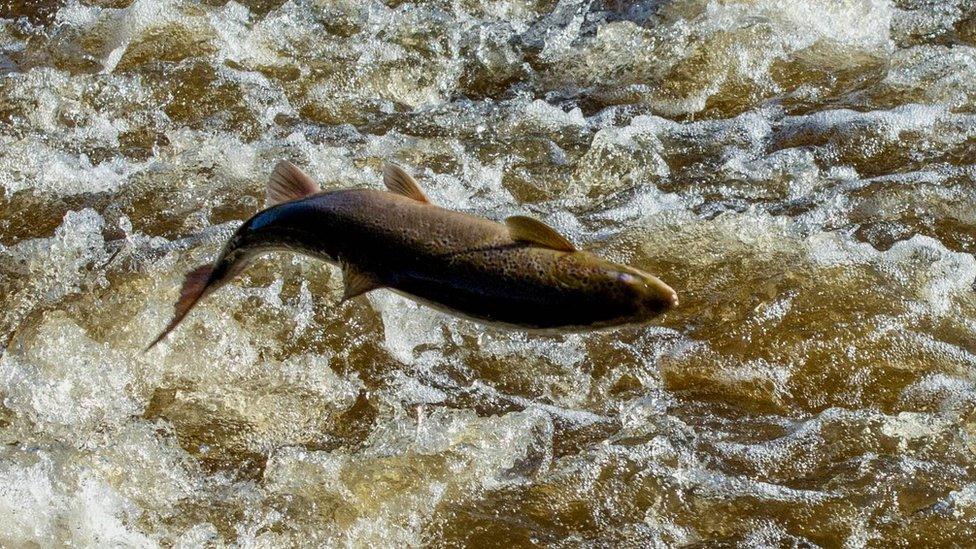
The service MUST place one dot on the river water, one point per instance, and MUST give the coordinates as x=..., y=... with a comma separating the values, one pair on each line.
x=802, y=173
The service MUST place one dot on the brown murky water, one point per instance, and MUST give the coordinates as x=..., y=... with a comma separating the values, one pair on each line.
x=801, y=172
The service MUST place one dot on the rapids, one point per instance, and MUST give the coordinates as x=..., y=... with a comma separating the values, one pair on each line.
x=802, y=173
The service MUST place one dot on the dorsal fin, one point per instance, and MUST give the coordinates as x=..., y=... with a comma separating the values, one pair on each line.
x=526, y=229
x=287, y=183
x=400, y=182
x=356, y=282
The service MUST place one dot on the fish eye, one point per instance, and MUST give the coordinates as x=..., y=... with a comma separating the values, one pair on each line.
x=628, y=278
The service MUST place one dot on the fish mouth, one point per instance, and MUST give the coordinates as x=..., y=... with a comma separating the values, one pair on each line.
x=662, y=292
x=672, y=297
x=655, y=291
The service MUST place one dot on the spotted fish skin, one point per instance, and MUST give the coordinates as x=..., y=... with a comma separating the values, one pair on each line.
x=520, y=274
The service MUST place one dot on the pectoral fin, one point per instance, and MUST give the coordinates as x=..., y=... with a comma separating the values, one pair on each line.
x=356, y=282
x=526, y=229
x=288, y=183
x=400, y=182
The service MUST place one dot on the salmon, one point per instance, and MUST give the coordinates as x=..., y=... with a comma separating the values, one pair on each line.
x=520, y=274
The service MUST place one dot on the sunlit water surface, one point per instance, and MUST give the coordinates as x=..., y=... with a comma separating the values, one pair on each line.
x=801, y=172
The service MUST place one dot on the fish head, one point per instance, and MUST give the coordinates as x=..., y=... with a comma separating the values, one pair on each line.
x=649, y=293
x=620, y=294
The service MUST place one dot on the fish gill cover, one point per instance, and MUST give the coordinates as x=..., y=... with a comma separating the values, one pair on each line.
x=801, y=172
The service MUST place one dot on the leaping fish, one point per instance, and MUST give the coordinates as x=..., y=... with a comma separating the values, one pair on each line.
x=520, y=274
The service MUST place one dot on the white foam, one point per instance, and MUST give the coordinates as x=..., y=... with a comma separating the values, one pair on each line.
x=861, y=23
x=50, y=269
x=37, y=508
x=757, y=213
x=963, y=500
x=909, y=426
x=886, y=124
x=50, y=172
x=407, y=325
x=383, y=500
x=548, y=117
x=937, y=74
x=951, y=393
x=71, y=395
x=937, y=274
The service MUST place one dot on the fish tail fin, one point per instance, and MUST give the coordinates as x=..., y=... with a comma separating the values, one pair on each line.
x=195, y=285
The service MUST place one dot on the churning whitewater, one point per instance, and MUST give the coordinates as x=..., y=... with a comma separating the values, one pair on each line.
x=801, y=173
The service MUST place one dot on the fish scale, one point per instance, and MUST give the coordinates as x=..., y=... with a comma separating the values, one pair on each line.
x=522, y=274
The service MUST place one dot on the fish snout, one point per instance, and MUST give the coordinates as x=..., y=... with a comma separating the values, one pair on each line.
x=666, y=293
x=653, y=294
